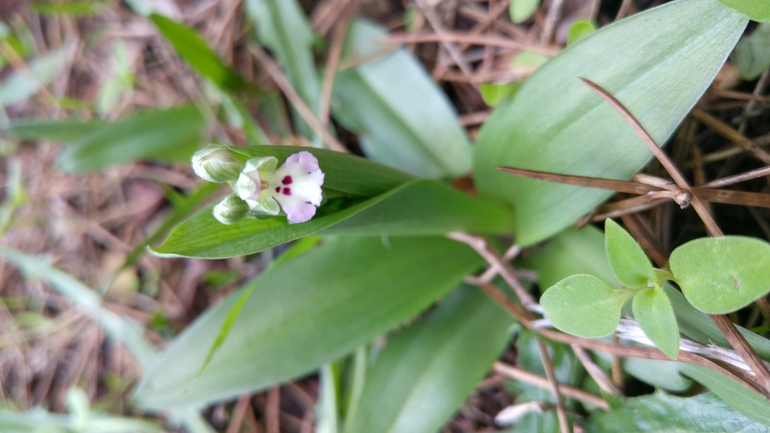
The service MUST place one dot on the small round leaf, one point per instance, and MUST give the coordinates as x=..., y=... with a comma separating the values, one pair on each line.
x=653, y=311
x=627, y=259
x=522, y=10
x=583, y=305
x=721, y=275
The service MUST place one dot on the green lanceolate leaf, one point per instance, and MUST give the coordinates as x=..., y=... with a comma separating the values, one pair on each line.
x=583, y=305
x=299, y=316
x=73, y=8
x=197, y=53
x=572, y=252
x=282, y=27
x=421, y=207
x=757, y=10
x=427, y=371
x=402, y=117
x=741, y=399
x=752, y=54
x=169, y=134
x=628, y=261
x=660, y=374
x=655, y=315
x=658, y=63
x=342, y=172
x=661, y=412
x=721, y=275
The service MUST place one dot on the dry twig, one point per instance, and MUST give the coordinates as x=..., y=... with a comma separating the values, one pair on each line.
x=296, y=101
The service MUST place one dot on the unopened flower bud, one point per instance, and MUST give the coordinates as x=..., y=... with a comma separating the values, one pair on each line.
x=231, y=210
x=216, y=164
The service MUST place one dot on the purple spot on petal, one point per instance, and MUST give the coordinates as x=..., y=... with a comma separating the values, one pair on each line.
x=286, y=180
x=287, y=191
x=278, y=189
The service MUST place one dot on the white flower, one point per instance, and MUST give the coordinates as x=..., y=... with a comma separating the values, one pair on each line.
x=295, y=186
x=216, y=164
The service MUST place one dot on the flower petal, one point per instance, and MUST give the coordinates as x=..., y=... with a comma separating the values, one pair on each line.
x=306, y=161
x=297, y=210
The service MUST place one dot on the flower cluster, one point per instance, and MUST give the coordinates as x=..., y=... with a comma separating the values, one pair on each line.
x=261, y=188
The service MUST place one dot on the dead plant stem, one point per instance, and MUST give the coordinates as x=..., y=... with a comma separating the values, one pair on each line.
x=517, y=373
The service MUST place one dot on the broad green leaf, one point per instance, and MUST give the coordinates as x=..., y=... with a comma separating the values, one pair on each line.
x=19, y=85
x=658, y=63
x=655, y=315
x=757, y=10
x=421, y=207
x=583, y=305
x=741, y=399
x=402, y=117
x=282, y=27
x=426, y=207
x=72, y=8
x=170, y=134
x=342, y=172
x=572, y=252
x=521, y=10
x=65, y=130
x=752, y=54
x=427, y=371
x=664, y=413
x=300, y=314
x=197, y=53
x=629, y=262
x=579, y=30
x=298, y=248
x=660, y=374
x=721, y=275
x=493, y=94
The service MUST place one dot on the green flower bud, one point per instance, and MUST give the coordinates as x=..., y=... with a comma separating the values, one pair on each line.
x=216, y=164
x=231, y=210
